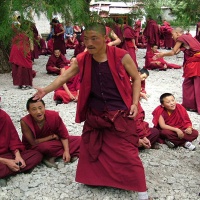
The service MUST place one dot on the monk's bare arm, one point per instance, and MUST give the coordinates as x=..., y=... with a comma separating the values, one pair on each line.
x=131, y=69
x=29, y=135
x=116, y=41
x=63, y=78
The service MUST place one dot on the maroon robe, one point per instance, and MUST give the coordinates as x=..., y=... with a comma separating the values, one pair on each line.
x=71, y=42
x=50, y=46
x=166, y=32
x=178, y=119
x=152, y=34
x=150, y=62
x=128, y=45
x=198, y=32
x=59, y=62
x=73, y=85
x=191, y=72
x=143, y=129
x=53, y=125
x=137, y=29
x=20, y=58
x=59, y=42
x=42, y=47
x=35, y=52
x=108, y=150
x=9, y=142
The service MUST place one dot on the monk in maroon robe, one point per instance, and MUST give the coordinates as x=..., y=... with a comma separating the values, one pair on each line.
x=71, y=42
x=42, y=47
x=55, y=62
x=70, y=90
x=20, y=58
x=59, y=42
x=174, y=122
x=191, y=70
x=197, y=36
x=148, y=136
x=152, y=33
x=137, y=29
x=50, y=46
x=44, y=131
x=159, y=63
x=13, y=156
x=35, y=52
x=107, y=103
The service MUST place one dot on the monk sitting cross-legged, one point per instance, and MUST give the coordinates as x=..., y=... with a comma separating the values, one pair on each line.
x=44, y=130
x=174, y=122
x=13, y=156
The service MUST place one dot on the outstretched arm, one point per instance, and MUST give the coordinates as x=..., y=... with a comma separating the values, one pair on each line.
x=63, y=78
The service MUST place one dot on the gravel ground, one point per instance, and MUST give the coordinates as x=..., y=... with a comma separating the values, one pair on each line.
x=171, y=174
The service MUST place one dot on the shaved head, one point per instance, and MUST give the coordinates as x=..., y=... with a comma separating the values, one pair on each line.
x=178, y=30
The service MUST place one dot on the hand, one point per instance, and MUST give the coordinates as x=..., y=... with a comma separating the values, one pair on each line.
x=55, y=137
x=76, y=98
x=158, y=55
x=133, y=111
x=66, y=156
x=110, y=44
x=144, y=142
x=11, y=164
x=39, y=94
x=179, y=133
x=19, y=159
x=188, y=130
x=71, y=96
x=136, y=49
x=143, y=95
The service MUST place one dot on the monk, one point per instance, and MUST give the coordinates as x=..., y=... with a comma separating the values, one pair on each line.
x=197, y=36
x=42, y=47
x=137, y=29
x=159, y=63
x=144, y=74
x=55, y=62
x=112, y=38
x=191, y=70
x=50, y=46
x=152, y=33
x=20, y=58
x=13, y=156
x=71, y=41
x=107, y=104
x=70, y=90
x=59, y=42
x=80, y=47
x=148, y=136
x=44, y=131
x=173, y=121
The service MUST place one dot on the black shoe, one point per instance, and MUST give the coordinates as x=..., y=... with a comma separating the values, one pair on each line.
x=169, y=144
x=58, y=102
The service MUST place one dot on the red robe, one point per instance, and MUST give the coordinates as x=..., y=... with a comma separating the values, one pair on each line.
x=35, y=52
x=50, y=46
x=59, y=42
x=42, y=47
x=152, y=34
x=128, y=45
x=9, y=142
x=197, y=34
x=166, y=30
x=59, y=62
x=191, y=72
x=102, y=162
x=178, y=119
x=137, y=29
x=73, y=85
x=20, y=58
x=150, y=62
x=53, y=125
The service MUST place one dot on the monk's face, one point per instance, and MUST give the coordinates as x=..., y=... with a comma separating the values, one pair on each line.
x=175, y=35
x=37, y=111
x=57, y=53
x=154, y=48
x=94, y=41
x=143, y=76
x=169, y=103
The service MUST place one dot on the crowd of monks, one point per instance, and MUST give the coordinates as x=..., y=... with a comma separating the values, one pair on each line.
x=49, y=139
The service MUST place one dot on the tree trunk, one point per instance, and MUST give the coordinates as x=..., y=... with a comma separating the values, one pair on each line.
x=4, y=57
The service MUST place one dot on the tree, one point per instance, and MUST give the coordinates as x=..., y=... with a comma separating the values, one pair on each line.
x=76, y=11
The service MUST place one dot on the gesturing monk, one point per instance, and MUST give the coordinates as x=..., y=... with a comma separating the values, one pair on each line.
x=107, y=103
x=44, y=130
x=13, y=156
x=191, y=70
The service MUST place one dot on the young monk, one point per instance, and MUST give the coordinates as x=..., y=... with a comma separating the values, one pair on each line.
x=13, y=156
x=107, y=104
x=174, y=122
x=70, y=90
x=55, y=62
x=191, y=70
x=159, y=63
x=148, y=136
x=144, y=73
x=44, y=131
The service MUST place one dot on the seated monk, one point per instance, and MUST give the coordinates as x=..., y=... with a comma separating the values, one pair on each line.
x=56, y=62
x=70, y=90
x=158, y=63
x=71, y=42
x=80, y=47
x=42, y=47
x=144, y=73
x=173, y=121
x=44, y=131
x=13, y=156
x=50, y=46
x=147, y=136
